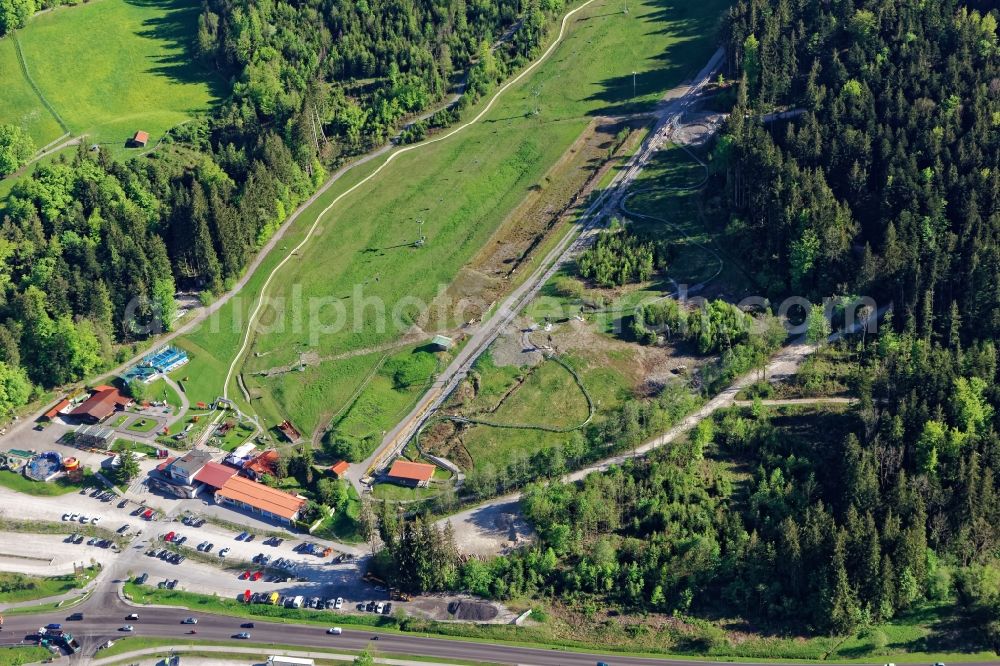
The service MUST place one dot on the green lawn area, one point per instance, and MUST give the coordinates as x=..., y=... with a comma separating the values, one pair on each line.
x=119, y=420
x=142, y=425
x=462, y=188
x=547, y=397
x=123, y=444
x=28, y=654
x=158, y=390
x=234, y=437
x=60, y=486
x=19, y=104
x=15, y=587
x=390, y=492
x=108, y=68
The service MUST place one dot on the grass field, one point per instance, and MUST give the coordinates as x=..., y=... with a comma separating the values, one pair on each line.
x=108, y=68
x=142, y=425
x=19, y=104
x=15, y=587
x=159, y=390
x=123, y=444
x=15, y=656
x=461, y=189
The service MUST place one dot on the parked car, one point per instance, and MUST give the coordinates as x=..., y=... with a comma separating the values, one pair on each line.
x=339, y=603
x=241, y=536
x=224, y=552
x=209, y=547
x=169, y=536
x=387, y=608
x=123, y=504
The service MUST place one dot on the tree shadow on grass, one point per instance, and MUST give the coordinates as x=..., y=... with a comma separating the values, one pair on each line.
x=691, y=27
x=175, y=27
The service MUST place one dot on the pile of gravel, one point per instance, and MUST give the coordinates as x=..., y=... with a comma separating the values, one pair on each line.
x=474, y=611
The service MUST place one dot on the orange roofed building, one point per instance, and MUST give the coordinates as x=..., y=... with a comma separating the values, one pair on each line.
x=103, y=402
x=340, y=468
x=259, y=499
x=416, y=475
x=264, y=463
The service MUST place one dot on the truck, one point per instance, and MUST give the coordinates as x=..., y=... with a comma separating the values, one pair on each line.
x=70, y=643
x=275, y=660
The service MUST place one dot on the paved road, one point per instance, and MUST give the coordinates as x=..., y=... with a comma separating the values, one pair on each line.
x=103, y=614
x=676, y=103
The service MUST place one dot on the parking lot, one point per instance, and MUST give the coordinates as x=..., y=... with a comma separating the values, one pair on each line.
x=48, y=554
x=305, y=573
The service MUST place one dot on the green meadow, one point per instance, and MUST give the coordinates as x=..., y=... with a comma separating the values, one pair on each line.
x=108, y=68
x=455, y=193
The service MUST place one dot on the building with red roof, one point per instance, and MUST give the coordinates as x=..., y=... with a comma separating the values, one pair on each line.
x=262, y=464
x=56, y=409
x=406, y=473
x=260, y=499
x=102, y=403
x=340, y=468
x=214, y=475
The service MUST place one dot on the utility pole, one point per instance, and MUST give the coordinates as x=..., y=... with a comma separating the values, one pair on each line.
x=633, y=86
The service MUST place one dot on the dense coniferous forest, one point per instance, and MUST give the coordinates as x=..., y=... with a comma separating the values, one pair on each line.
x=887, y=185
x=92, y=250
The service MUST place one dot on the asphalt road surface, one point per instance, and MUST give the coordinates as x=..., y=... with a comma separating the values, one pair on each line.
x=104, y=613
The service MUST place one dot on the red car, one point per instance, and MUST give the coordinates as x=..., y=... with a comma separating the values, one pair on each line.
x=244, y=575
x=169, y=537
x=257, y=575
x=148, y=515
